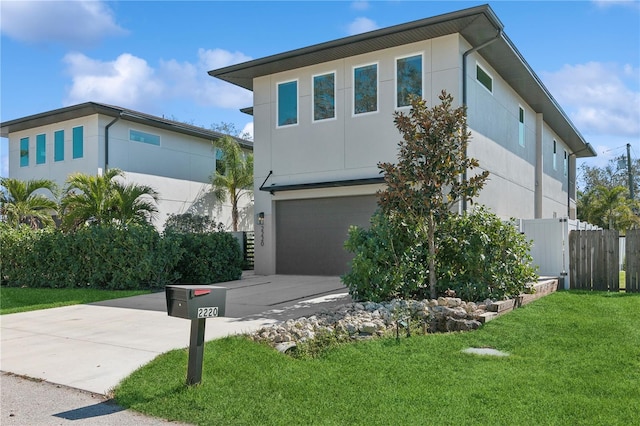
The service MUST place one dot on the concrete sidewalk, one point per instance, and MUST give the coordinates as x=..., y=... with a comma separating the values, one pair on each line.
x=93, y=347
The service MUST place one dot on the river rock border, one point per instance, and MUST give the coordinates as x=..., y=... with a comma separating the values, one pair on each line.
x=369, y=319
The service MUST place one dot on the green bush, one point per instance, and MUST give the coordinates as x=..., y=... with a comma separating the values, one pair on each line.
x=105, y=257
x=208, y=258
x=478, y=256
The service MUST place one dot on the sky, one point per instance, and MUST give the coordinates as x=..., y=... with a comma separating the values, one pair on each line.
x=153, y=56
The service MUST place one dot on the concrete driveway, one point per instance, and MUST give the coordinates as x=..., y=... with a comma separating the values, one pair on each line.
x=93, y=347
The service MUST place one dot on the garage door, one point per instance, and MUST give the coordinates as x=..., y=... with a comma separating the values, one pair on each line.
x=310, y=234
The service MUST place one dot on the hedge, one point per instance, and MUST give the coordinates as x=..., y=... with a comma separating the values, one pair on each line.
x=109, y=257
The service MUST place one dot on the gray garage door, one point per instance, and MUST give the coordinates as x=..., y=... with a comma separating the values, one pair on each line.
x=311, y=233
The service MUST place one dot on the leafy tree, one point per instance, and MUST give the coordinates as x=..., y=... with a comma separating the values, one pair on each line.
x=230, y=129
x=430, y=176
x=235, y=178
x=103, y=199
x=613, y=174
x=188, y=223
x=609, y=208
x=20, y=202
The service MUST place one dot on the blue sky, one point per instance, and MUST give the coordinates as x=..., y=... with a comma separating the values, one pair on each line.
x=153, y=56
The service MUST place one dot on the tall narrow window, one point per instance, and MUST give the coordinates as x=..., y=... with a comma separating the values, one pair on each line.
x=288, y=103
x=484, y=78
x=408, y=79
x=220, y=168
x=78, y=142
x=41, y=149
x=555, y=155
x=24, y=152
x=565, y=164
x=521, y=126
x=365, y=89
x=324, y=96
x=58, y=145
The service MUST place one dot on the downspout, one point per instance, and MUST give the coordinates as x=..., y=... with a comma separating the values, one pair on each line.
x=106, y=142
x=464, y=93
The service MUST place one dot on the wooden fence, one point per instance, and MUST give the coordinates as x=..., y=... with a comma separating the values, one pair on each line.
x=632, y=260
x=594, y=258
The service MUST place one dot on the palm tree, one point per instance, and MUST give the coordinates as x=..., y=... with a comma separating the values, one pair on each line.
x=103, y=199
x=19, y=202
x=235, y=178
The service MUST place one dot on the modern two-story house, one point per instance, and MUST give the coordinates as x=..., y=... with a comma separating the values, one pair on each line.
x=176, y=159
x=323, y=120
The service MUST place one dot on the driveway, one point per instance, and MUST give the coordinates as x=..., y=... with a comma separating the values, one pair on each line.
x=93, y=347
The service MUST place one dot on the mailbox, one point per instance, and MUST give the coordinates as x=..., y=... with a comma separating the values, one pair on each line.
x=195, y=301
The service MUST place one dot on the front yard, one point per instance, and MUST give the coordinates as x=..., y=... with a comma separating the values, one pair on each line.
x=574, y=359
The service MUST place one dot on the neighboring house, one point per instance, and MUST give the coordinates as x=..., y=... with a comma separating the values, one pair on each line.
x=175, y=159
x=323, y=120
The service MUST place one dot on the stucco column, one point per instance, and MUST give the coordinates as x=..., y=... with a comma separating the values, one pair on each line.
x=539, y=169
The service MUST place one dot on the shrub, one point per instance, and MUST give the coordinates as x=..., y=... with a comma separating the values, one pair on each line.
x=208, y=258
x=191, y=223
x=478, y=256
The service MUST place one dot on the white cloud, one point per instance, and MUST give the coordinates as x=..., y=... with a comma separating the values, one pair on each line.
x=600, y=98
x=248, y=130
x=611, y=3
x=130, y=82
x=127, y=81
x=72, y=23
x=361, y=25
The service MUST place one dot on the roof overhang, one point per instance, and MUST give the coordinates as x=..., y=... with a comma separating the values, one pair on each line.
x=476, y=25
x=91, y=108
x=320, y=185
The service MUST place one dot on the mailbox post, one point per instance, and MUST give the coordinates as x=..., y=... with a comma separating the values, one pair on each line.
x=197, y=303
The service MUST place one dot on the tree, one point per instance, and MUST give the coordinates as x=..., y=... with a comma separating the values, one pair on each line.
x=431, y=174
x=21, y=204
x=103, y=199
x=234, y=179
x=231, y=130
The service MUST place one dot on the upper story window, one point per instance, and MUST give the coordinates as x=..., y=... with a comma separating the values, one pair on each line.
x=365, y=89
x=78, y=142
x=288, y=103
x=144, y=137
x=24, y=152
x=220, y=166
x=408, y=79
x=484, y=78
x=58, y=145
x=41, y=149
x=565, y=164
x=521, y=126
x=555, y=155
x=324, y=96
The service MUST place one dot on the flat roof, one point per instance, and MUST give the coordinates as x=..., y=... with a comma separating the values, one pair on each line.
x=477, y=25
x=90, y=108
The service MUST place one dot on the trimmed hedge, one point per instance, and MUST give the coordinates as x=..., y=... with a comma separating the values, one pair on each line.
x=114, y=258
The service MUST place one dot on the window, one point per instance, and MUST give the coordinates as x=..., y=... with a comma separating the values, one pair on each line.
x=555, y=155
x=324, y=96
x=78, y=142
x=365, y=89
x=41, y=149
x=408, y=79
x=24, y=152
x=58, y=145
x=521, y=126
x=484, y=78
x=138, y=136
x=288, y=103
x=565, y=164
x=220, y=167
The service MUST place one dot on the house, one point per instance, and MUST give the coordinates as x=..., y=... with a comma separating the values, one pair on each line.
x=175, y=159
x=323, y=120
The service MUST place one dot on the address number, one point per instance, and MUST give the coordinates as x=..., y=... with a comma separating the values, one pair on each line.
x=208, y=312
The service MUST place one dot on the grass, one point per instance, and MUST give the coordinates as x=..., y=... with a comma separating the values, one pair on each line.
x=575, y=359
x=13, y=299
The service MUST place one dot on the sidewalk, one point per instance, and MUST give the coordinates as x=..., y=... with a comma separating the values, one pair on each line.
x=93, y=347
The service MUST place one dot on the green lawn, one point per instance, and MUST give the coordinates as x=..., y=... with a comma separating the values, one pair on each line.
x=575, y=360
x=13, y=299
